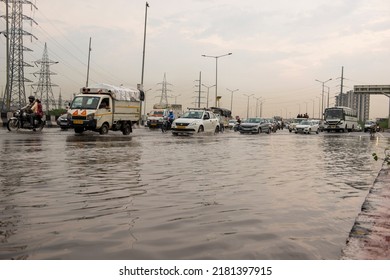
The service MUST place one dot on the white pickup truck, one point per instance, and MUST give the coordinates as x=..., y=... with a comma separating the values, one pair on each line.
x=105, y=107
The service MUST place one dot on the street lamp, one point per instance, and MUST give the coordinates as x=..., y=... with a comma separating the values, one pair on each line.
x=322, y=101
x=216, y=73
x=231, y=102
x=208, y=90
x=247, y=107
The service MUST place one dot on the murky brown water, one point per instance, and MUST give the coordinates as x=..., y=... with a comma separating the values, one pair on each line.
x=154, y=196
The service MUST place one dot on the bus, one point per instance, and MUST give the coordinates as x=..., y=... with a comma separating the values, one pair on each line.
x=224, y=115
x=340, y=119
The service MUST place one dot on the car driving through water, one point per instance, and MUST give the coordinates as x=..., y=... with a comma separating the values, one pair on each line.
x=196, y=120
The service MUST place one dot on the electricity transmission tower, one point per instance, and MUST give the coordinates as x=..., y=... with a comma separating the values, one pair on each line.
x=15, y=94
x=44, y=86
x=164, y=92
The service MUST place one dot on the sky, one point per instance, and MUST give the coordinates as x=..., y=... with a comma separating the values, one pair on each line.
x=279, y=49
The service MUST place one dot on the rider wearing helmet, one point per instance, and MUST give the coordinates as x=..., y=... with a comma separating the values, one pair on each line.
x=29, y=108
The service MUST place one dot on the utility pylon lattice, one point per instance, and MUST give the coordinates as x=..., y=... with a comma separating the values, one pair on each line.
x=164, y=92
x=15, y=95
x=44, y=86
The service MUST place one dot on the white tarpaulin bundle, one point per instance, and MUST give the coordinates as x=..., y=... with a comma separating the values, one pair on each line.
x=119, y=93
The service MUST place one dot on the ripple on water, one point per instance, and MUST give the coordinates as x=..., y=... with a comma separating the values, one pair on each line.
x=154, y=196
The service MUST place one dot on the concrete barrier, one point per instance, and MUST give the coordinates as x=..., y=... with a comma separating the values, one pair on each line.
x=3, y=119
x=5, y=116
x=369, y=238
x=51, y=121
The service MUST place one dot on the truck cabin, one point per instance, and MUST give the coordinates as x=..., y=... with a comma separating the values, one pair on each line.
x=105, y=103
x=88, y=102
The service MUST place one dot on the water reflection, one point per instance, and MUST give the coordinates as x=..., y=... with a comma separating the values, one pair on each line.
x=155, y=196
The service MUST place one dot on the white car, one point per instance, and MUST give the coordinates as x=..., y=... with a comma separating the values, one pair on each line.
x=196, y=121
x=307, y=127
x=294, y=123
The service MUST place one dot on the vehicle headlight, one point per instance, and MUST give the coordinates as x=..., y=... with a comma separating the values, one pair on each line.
x=193, y=124
x=90, y=117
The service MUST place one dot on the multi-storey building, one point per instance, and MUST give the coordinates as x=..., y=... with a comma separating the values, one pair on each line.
x=359, y=102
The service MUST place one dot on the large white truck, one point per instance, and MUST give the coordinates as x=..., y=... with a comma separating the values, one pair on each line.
x=104, y=107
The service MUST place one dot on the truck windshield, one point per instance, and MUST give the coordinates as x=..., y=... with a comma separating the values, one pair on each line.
x=85, y=102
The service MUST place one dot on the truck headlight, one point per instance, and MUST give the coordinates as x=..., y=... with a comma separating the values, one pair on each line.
x=90, y=117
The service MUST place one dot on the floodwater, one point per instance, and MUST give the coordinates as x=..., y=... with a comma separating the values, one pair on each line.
x=156, y=196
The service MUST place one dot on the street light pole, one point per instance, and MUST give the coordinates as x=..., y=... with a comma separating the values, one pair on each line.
x=328, y=96
x=322, y=101
x=319, y=106
x=175, y=96
x=216, y=73
x=89, y=58
x=231, y=101
x=143, y=57
x=247, y=106
x=208, y=90
x=257, y=105
x=145, y=100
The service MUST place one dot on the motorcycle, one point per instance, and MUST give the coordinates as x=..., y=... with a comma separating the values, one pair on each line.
x=373, y=130
x=166, y=125
x=21, y=119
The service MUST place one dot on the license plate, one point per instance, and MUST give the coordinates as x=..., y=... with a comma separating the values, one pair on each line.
x=180, y=127
x=78, y=121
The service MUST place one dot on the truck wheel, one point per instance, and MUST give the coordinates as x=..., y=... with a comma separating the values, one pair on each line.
x=104, y=129
x=126, y=129
x=78, y=129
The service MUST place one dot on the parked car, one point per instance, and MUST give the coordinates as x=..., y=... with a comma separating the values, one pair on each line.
x=255, y=125
x=307, y=127
x=196, y=121
x=63, y=122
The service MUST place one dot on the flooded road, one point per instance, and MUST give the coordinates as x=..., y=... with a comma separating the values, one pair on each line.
x=155, y=196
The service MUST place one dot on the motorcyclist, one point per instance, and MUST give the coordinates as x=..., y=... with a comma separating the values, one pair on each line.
x=29, y=109
x=37, y=112
x=171, y=117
